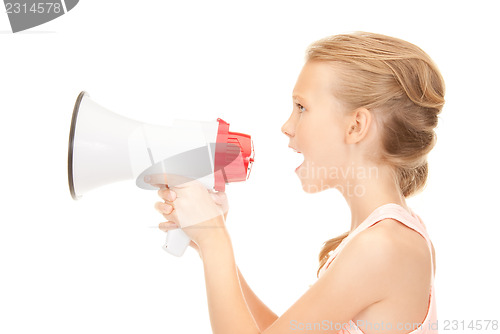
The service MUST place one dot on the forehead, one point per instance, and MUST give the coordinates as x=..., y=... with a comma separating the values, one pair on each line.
x=315, y=79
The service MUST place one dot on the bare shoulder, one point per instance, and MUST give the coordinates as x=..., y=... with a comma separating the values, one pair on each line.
x=379, y=239
x=396, y=237
x=386, y=268
x=379, y=254
x=381, y=243
x=400, y=251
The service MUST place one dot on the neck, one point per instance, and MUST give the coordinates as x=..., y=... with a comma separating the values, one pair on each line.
x=367, y=193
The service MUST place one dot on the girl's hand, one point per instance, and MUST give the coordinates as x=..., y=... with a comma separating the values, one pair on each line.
x=198, y=211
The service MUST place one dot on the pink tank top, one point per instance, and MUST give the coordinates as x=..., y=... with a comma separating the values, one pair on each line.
x=413, y=221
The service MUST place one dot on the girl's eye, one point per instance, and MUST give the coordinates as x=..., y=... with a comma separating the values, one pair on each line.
x=301, y=108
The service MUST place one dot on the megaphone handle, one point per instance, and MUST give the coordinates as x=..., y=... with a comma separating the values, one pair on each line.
x=177, y=242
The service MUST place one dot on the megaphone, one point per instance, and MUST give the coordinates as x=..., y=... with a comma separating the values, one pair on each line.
x=105, y=147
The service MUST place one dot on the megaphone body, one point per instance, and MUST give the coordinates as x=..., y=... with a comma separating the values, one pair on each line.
x=105, y=147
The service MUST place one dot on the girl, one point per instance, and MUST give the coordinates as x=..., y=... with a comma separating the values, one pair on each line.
x=364, y=111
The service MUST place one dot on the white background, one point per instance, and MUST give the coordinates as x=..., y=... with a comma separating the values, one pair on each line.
x=96, y=266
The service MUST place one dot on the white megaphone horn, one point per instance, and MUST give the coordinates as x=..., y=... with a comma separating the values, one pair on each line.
x=105, y=147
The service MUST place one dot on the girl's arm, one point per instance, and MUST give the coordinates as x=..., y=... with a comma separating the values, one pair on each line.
x=362, y=275
x=262, y=315
x=228, y=310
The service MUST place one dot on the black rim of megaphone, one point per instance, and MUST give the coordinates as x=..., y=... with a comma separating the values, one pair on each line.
x=71, y=142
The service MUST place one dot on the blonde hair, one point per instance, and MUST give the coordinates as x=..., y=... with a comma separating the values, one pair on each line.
x=399, y=82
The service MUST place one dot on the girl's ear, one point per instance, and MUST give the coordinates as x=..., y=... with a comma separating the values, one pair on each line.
x=358, y=125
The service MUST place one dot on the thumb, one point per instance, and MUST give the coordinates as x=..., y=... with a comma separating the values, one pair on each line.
x=220, y=198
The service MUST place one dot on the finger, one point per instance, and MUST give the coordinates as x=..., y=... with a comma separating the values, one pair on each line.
x=156, y=179
x=167, y=194
x=159, y=186
x=167, y=226
x=220, y=198
x=166, y=179
x=164, y=208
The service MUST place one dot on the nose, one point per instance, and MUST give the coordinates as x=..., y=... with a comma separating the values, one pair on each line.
x=287, y=129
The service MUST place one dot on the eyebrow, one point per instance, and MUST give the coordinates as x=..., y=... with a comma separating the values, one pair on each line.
x=296, y=96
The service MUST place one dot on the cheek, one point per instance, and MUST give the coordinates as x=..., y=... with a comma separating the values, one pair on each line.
x=323, y=143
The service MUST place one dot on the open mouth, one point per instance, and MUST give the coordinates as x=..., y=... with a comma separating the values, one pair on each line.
x=301, y=157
